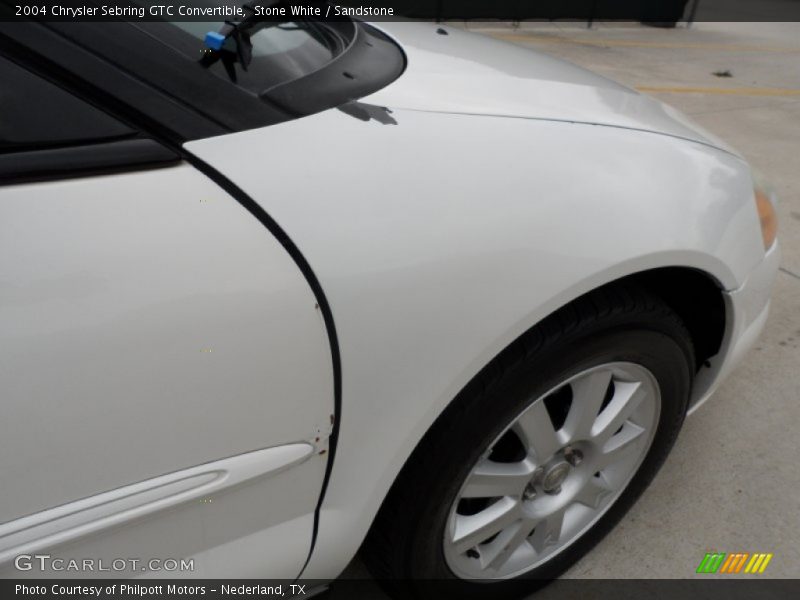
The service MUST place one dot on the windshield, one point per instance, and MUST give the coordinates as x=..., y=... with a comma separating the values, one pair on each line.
x=282, y=51
x=176, y=77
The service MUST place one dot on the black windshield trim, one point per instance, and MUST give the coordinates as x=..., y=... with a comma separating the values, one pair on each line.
x=371, y=62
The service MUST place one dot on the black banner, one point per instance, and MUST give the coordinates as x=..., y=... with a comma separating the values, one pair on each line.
x=731, y=588
x=650, y=11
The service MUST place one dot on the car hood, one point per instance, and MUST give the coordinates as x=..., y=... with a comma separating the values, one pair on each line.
x=466, y=73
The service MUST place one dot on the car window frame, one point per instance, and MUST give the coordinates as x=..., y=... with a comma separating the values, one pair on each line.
x=43, y=158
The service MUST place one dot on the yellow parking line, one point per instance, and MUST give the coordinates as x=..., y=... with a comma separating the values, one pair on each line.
x=722, y=91
x=521, y=37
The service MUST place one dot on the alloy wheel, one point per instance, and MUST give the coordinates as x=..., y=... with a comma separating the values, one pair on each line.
x=553, y=472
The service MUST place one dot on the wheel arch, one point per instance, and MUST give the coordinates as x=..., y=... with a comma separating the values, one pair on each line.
x=693, y=294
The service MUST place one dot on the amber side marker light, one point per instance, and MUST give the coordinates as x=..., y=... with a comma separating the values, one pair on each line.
x=769, y=220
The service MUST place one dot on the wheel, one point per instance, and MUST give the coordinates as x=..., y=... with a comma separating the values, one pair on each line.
x=541, y=454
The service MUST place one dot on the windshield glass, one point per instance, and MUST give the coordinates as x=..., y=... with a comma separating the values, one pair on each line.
x=282, y=51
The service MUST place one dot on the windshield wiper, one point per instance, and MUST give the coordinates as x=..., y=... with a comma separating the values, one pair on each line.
x=231, y=44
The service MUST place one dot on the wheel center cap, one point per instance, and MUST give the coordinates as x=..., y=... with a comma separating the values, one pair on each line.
x=554, y=477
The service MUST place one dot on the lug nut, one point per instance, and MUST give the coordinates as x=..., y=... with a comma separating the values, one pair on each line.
x=573, y=456
x=530, y=492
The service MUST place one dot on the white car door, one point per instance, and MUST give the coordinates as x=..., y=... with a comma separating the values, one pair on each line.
x=166, y=381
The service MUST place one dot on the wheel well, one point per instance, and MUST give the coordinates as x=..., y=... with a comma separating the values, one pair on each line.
x=695, y=297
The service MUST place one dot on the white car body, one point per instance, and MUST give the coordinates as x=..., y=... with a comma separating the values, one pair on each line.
x=167, y=379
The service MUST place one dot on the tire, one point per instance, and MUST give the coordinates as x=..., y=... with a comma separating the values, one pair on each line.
x=623, y=330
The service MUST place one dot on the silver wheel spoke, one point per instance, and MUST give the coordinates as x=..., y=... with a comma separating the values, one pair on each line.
x=471, y=530
x=548, y=531
x=627, y=397
x=491, y=479
x=496, y=554
x=535, y=429
x=594, y=492
x=588, y=394
x=620, y=446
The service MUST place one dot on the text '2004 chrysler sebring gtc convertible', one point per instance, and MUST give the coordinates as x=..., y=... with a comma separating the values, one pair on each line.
x=271, y=292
